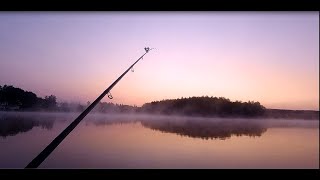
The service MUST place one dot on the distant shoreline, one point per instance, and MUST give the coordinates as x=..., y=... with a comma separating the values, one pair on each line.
x=289, y=114
x=14, y=99
x=270, y=114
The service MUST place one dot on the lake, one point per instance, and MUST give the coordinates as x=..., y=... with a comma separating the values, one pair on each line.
x=145, y=141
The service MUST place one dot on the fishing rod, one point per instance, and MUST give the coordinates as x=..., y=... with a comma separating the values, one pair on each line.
x=46, y=152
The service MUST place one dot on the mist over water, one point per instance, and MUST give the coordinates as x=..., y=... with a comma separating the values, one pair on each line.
x=130, y=141
x=12, y=123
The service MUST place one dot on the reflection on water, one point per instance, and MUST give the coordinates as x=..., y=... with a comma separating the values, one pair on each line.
x=12, y=125
x=122, y=141
x=204, y=129
x=207, y=129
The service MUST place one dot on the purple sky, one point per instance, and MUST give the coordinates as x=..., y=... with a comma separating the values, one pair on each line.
x=270, y=57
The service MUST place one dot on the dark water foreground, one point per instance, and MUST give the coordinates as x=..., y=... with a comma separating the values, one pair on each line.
x=143, y=141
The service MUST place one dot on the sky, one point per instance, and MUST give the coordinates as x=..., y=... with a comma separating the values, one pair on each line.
x=270, y=57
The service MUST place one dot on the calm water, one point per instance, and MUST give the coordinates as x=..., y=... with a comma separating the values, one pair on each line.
x=141, y=141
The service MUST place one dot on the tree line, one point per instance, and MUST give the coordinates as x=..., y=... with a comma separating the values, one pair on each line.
x=12, y=98
x=205, y=106
x=16, y=99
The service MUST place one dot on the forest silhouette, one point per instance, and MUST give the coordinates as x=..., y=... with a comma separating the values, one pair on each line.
x=16, y=99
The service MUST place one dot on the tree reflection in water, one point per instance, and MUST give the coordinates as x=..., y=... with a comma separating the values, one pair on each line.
x=13, y=124
x=207, y=129
x=196, y=128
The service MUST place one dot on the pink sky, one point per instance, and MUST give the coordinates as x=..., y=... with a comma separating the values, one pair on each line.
x=270, y=57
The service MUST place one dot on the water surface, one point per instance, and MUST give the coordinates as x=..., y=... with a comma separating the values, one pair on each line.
x=143, y=141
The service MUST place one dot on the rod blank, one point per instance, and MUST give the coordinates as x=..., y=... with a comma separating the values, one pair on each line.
x=47, y=151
